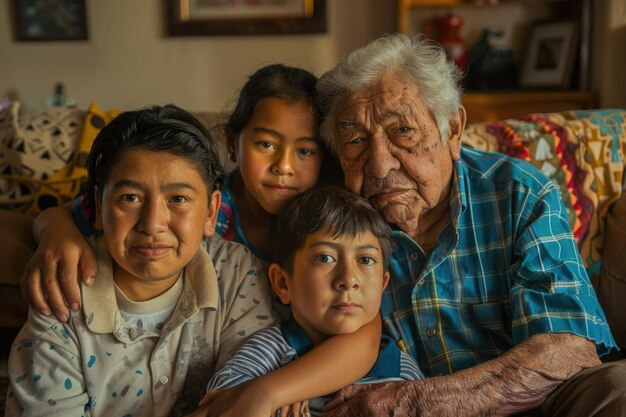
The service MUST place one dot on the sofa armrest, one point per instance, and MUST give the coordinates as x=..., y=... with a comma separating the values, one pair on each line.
x=16, y=248
x=611, y=284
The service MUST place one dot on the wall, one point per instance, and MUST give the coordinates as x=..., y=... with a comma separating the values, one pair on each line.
x=608, y=48
x=129, y=62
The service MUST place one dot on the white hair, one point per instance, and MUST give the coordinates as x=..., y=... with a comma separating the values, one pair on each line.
x=412, y=59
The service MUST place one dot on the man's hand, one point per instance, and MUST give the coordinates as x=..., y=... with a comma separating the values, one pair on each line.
x=518, y=381
x=50, y=281
x=385, y=399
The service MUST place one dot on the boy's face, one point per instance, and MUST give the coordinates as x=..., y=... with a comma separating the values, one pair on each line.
x=154, y=211
x=336, y=283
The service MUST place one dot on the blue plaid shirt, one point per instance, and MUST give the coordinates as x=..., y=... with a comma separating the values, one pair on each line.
x=505, y=267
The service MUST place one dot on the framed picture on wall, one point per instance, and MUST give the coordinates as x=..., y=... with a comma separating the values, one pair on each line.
x=550, y=56
x=245, y=17
x=58, y=20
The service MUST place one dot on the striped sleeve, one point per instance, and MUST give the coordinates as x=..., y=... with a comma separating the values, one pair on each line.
x=262, y=353
x=409, y=368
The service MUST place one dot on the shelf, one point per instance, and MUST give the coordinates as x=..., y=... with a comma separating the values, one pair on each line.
x=494, y=106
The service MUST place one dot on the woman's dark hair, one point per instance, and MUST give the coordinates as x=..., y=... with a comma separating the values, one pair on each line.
x=278, y=81
x=156, y=128
x=343, y=212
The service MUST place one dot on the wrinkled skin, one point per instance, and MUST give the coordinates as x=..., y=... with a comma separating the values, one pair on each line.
x=391, y=152
x=518, y=381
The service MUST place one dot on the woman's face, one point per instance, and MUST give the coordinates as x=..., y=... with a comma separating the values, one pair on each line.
x=279, y=152
x=154, y=211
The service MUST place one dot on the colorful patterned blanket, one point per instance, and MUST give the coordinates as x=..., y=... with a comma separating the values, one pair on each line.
x=582, y=151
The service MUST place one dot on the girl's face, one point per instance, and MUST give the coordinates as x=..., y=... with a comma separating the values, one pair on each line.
x=154, y=211
x=279, y=153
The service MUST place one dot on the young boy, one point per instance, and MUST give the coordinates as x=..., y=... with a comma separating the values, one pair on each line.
x=331, y=251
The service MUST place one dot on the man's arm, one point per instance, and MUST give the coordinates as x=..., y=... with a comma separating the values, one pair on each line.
x=518, y=381
x=50, y=281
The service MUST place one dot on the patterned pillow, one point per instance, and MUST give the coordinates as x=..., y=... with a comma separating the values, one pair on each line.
x=65, y=184
x=32, y=148
x=582, y=151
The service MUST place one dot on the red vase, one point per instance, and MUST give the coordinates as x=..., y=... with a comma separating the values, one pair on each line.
x=447, y=32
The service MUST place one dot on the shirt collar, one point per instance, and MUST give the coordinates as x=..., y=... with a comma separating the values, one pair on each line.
x=100, y=304
x=296, y=337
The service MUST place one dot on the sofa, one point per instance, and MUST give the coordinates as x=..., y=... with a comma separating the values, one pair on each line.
x=42, y=159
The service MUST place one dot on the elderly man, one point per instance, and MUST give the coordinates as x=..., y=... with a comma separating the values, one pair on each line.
x=488, y=291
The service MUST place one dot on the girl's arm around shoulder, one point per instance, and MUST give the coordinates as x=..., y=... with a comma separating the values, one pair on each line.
x=63, y=256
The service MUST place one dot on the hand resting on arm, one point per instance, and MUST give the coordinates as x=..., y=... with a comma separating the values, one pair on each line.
x=519, y=380
x=50, y=281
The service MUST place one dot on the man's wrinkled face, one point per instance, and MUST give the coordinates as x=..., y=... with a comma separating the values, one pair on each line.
x=391, y=151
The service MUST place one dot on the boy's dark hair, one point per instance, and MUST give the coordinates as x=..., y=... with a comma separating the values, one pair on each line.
x=288, y=83
x=165, y=128
x=342, y=211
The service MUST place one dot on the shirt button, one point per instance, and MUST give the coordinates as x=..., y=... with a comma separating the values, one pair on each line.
x=431, y=332
x=415, y=256
x=164, y=380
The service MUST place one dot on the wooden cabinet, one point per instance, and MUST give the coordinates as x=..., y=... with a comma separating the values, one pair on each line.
x=491, y=106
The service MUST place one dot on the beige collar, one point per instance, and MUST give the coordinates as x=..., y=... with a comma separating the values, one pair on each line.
x=99, y=302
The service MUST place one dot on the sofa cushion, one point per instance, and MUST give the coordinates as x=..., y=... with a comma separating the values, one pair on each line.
x=32, y=148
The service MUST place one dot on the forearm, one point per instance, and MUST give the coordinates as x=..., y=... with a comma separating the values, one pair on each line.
x=517, y=381
x=339, y=361
x=52, y=221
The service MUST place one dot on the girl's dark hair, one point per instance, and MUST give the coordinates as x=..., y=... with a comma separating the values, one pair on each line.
x=342, y=211
x=156, y=128
x=271, y=81
x=278, y=81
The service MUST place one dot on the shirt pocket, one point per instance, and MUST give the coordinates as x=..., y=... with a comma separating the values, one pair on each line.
x=494, y=318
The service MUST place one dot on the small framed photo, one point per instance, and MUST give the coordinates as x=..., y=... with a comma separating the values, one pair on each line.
x=245, y=17
x=50, y=20
x=550, y=56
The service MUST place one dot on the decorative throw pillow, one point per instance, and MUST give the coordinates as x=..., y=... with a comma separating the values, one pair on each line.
x=32, y=148
x=65, y=184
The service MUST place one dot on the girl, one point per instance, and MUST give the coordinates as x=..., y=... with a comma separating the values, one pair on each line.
x=272, y=134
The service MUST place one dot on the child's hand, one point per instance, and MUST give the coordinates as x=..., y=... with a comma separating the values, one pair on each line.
x=246, y=400
x=237, y=401
x=299, y=409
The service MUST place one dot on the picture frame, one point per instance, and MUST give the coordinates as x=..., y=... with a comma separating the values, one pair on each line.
x=59, y=20
x=549, y=59
x=245, y=17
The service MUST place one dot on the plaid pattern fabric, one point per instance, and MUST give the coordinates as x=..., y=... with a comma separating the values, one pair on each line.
x=507, y=267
